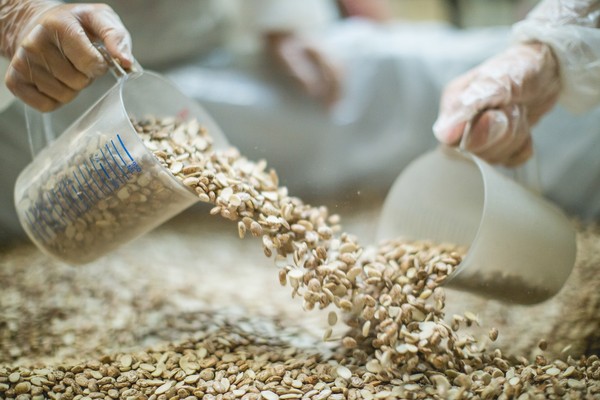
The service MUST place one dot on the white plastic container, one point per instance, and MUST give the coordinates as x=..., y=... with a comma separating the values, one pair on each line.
x=521, y=248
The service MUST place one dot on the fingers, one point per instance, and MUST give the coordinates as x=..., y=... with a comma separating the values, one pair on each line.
x=70, y=38
x=105, y=25
x=36, y=76
x=308, y=65
x=449, y=132
x=502, y=98
x=490, y=133
x=75, y=30
x=328, y=76
x=28, y=92
x=464, y=99
x=454, y=114
x=501, y=136
x=45, y=54
x=57, y=58
x=297, y=66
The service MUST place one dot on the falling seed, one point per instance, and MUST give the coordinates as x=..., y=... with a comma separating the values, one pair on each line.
x=332, y=318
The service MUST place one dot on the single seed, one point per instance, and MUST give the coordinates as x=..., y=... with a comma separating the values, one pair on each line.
x=164, y=388
x=332, y=318
x=349, y=342
x=343, y=372
x=241, y=230
x=269, y=395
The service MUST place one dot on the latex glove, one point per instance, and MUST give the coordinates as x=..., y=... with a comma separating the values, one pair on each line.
x=308, y=65
x=51, y=51
x=502, y=99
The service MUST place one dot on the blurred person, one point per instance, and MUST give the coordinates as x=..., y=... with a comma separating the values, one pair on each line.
x=554, y=58
x=392, y=72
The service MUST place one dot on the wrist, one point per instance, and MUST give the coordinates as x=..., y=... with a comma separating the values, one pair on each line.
x=548, y=75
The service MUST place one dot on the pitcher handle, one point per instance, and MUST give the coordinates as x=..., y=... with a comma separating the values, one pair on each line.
x=39, y=125
x=526, y=174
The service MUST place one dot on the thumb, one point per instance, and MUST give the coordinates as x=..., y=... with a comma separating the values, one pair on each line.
x=106, y=26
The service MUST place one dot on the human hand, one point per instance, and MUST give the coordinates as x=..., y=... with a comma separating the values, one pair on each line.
x=500, y=100
x=308, y=65
x=51, y=50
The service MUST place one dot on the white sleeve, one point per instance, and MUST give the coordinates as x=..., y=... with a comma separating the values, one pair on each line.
x=289, y=15
x=6, y=97
x=570, y=28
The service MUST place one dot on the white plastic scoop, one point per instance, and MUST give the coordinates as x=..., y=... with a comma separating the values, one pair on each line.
x=521, y=248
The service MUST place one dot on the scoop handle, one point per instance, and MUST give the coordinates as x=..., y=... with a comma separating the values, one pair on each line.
x=526, y=174
x=40, y=132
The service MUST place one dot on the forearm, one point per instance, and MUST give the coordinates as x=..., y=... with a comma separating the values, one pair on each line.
x=14, y=14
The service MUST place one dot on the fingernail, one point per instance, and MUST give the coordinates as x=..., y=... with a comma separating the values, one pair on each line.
x=498, y=126
x=439, y=129
x=124, y=49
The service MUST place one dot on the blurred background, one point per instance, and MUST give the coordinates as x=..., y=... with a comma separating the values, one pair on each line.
x=463, y=13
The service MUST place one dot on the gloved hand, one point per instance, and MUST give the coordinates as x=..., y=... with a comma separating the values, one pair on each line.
x=309, y=65
x=51, y=50
x=502, y=99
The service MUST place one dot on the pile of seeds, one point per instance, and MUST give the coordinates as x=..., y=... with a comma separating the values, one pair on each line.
x=396, y=342
x=252, y=359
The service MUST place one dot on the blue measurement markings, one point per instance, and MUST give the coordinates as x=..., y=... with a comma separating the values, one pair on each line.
x=82, y=191
x=111, y=167
x=34, y=223
x=76, y=193
x=54, y=210
x=87, y=182
x=73, y=213
x=133, y=166
x=116, y=182
x=90, y=174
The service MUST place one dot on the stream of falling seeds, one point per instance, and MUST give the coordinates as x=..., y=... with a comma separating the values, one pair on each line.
x=390, y=295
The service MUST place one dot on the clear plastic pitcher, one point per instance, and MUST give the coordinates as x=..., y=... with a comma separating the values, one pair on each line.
x=521, y=248
x=97, y=186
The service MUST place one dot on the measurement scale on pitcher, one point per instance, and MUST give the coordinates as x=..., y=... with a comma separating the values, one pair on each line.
x=86, y=183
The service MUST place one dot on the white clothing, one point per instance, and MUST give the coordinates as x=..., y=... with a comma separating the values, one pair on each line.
x=570, y=28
